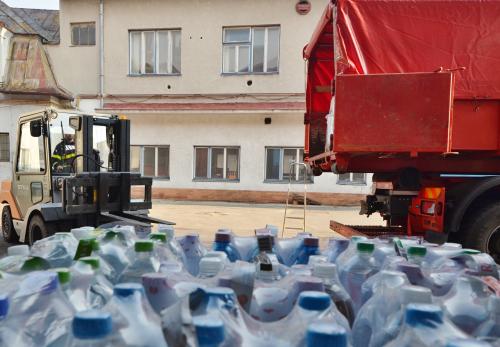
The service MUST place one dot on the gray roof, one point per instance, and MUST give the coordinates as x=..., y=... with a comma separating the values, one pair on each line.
x=44, y=23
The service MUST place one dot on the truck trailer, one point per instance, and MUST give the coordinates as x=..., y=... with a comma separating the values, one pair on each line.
x=410, y=91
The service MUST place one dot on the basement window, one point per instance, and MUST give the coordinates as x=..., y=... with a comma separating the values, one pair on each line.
x=278, y=165
x=352, y=178
x=150, y=161
x=217, y=163
x=83, y=34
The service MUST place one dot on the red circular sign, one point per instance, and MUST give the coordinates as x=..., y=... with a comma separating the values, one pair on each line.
x=303, y=7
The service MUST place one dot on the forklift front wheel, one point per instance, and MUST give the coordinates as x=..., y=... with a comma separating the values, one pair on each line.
x=8, y=231
x=37, y=229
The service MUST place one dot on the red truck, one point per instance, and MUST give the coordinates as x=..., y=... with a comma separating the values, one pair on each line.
x=410, y=91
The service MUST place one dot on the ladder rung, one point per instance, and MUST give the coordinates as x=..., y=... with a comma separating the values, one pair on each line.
x=296, y=206
x=294, y=217
x=292, y=228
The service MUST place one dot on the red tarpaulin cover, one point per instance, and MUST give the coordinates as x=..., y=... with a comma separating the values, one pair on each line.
x=402, y=36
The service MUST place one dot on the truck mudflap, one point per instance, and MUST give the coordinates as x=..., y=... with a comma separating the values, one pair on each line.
x=367, y=230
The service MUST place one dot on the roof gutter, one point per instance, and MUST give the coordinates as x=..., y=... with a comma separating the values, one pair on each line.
x=101, y=52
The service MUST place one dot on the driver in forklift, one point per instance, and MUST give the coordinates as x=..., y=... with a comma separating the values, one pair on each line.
x=63, y=155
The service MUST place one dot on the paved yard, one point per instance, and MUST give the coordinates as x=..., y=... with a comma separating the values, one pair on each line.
x=206, y=217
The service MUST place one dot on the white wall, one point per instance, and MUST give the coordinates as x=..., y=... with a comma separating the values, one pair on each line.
x=5, y=37
x=184, y=131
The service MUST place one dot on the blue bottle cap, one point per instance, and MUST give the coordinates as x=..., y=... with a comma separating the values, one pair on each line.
x=91, y=324
x=314, y=301
x=4, y=306
x=209, y=330
x=127, y=289
x=467, y=343
x=321, y=334
x=423, y=314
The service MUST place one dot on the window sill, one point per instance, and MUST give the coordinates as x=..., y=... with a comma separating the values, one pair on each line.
x=286, y=182
x=154, y=75
x=82, y=45
x=215, y=180
x=249, y=73
x=161, y=178
x=351, y=184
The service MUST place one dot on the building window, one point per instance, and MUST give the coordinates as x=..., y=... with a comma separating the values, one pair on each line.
x=4, y=147
x=217, y=163
x=251, y=50
x=352, y=178
x=83, y=34
x=278, y=164
x=155, y=52
x=150, y=161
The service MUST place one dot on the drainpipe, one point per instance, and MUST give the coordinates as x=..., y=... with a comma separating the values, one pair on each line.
x=101, y=52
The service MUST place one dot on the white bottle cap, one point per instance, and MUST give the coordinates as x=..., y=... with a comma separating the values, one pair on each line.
x=18, y=250
x=416, y=295
x=325, y=270
x=210, y=266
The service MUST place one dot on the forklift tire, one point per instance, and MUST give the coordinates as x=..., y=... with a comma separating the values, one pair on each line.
x=482, y=232
x=37, y=229
x=8, y=232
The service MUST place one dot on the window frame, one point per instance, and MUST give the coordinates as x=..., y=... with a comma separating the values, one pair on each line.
x=141, y=160
x=7, y=135
x=282, y=179
x=209, y=165
x=81, y=24
x=18, y=154
x=351, y=182
x=170, y=52
x=251, y=44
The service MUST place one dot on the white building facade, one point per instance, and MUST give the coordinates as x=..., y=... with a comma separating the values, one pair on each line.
x=214, y=90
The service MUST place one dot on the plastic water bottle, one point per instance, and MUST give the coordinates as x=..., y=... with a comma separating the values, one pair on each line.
x=101, y=289
x=18, y=250
x=269, y=304
x=209, y=331
x=134, y=321
x=39, y=312
x=223, y=243
x=466, y=303
x=351, y=251
x=416, y=254
x=172, y=243
x=425, y=325
x=313, y=305
x=58, y=249
x=335, y=248
x=91, y=329
x=328, y=274
x=490, y=330
x=383, y=249
x=393, y=323
x=75, y=284
x=194, y=251
x=373, y=315
x=113, y=249
x=144, y=261
x=371, y=285
x=321, y=334
x=311, y=247
x=288, y=250
x=83, y=232
x=357, y=270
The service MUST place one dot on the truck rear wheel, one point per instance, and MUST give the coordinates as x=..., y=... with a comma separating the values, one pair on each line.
x=8, y=231
x=37, y=229
x=482, y=231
